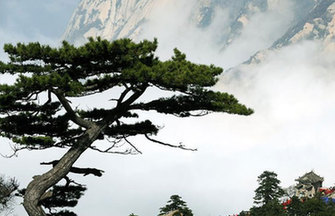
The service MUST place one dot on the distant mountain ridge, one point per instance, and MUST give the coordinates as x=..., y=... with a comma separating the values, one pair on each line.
x=110, y=19
x=113, y=19
x=318, y=23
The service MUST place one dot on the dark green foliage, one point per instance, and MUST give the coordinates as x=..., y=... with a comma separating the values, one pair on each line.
x=7, y=189
x=267, y=196
x=176, y=203
x=268, y=189
x=95, y=67
x=271, y=208
x=315, y=206
x=36, y=111
x=243, y=213
x=60, y=197
x=64, y=196
x=295, y=207
x=62, y=213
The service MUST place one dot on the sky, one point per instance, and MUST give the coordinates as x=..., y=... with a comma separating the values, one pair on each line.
x=39, y=20
x=290, y=133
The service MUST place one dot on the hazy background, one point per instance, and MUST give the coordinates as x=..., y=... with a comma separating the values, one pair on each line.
x=291, y=132
x=34, y=20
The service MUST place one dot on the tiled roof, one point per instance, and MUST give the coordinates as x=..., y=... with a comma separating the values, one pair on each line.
x=310, y=177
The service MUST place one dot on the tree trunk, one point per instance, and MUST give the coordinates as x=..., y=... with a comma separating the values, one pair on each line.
x=42, y=183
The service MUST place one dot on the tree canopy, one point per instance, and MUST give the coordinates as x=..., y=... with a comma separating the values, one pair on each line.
x=267, y=196
x=36, y=112
x=178, y=205
x=268, y=189
x=268, y=201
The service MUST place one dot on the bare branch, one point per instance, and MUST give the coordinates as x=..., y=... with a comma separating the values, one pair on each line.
x=126, y=152
x=180, y=146
x=137, y=93
x=114, y=145
x=69, y=181
x=74, y=117
x=134, y=147
x=77, y=170
x=34, y=93
x=123, y=95
x=16, y=149
x=201, y=113
x=124, y=106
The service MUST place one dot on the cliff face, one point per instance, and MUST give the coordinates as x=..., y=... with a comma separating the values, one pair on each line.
x=317, y=24
x=110, y=19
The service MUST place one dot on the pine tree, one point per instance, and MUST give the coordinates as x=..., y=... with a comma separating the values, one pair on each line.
x=36, y=112
x=267, y=196
x=268, y=189
x=176, y=204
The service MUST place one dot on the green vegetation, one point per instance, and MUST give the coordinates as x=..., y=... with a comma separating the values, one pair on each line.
x=269, y=189
x=176, y=204
x=36, y=112
x=268, y=202
x=267, y=196
x=316, y=206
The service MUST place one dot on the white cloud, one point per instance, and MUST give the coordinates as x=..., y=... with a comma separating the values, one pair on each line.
x=290, y=133
x=292, y=94
x=172, y=26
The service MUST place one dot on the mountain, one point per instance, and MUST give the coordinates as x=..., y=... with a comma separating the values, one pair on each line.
x=112, y=19
x=317, y=23
x=238, y=12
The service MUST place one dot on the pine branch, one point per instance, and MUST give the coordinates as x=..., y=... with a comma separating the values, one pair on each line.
x=74, y=117
x=108, y=151
x=170, y=145
x=77, y=170
x=126, y=152
x=132, y=145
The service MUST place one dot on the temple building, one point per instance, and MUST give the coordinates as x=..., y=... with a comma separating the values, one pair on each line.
x=308, y=185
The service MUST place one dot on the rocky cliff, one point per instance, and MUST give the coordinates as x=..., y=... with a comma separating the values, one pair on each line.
x=112, y=19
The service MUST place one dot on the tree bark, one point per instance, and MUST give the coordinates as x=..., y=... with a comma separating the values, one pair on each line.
x=40, y=184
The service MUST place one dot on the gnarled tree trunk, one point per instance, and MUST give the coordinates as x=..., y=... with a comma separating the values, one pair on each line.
x=42, y=183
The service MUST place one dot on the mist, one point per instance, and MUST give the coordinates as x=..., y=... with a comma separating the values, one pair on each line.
x=291, y=131
x=291, y=91
x=174, y=25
